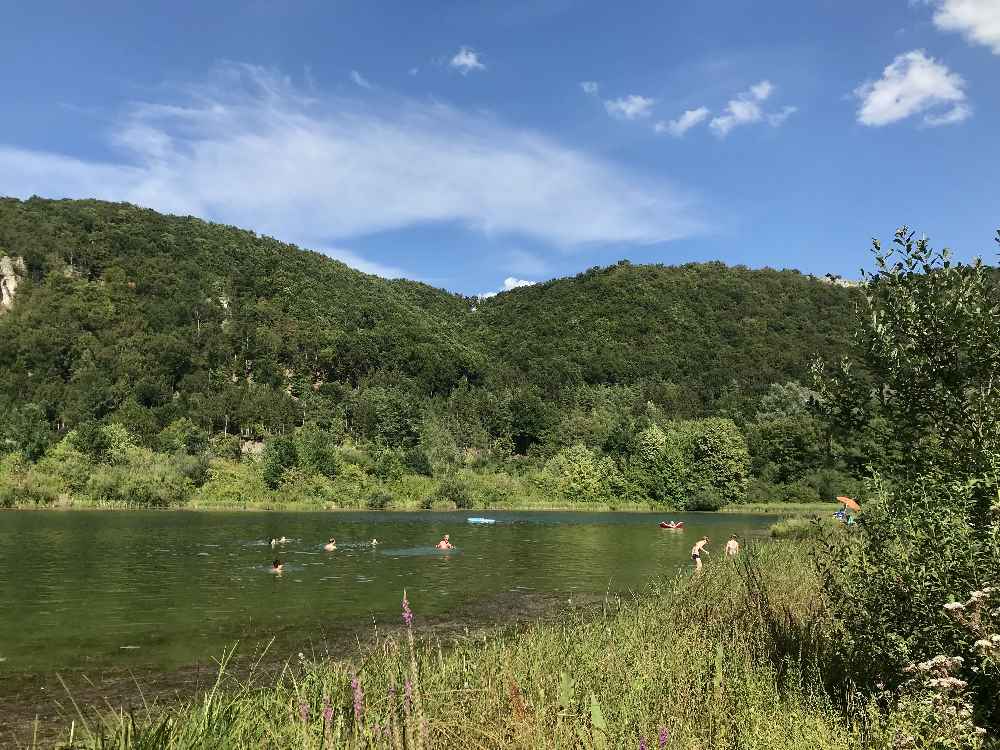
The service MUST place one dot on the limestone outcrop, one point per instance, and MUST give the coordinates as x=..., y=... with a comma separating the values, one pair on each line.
x=11, y=273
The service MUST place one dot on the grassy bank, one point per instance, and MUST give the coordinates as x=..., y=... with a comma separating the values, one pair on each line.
x=736, y=657
x=783, y=509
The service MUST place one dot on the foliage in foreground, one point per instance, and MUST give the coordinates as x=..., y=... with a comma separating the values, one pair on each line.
x=734, y=658
x=923, y=580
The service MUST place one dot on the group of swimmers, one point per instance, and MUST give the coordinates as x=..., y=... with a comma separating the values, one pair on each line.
x=278, y=566
x=732, y=549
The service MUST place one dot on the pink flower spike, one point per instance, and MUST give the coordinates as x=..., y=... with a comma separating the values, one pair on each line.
x=407, y=613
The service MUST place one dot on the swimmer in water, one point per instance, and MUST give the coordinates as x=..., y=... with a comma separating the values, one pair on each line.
x=732, y=547
x=277, y=566
x=445, y=543
x=331, y=545
x=697, y=549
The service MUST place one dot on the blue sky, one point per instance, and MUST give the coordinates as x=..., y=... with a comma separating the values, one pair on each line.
x=471, y=144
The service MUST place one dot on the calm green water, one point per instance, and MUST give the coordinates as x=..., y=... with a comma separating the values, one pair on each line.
x=81, y=590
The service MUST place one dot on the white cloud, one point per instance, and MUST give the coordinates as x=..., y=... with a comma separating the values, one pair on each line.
x=360, y=80
x=527, y=263
x=762, y=90
x=630, y=107
x=684, y=123
x=955, y=115
x=590, y=88
x=248, y=148
x=746, y=109
x=912, y=84
x=508, y=284
x=352, y=259
x=466, y=60
x=977, y=20
x=776, y=119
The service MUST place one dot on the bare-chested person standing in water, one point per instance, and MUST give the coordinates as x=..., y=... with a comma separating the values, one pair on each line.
x=732, y=546
x=697, y=550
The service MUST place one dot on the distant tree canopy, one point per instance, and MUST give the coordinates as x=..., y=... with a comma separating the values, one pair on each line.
x=181, y=330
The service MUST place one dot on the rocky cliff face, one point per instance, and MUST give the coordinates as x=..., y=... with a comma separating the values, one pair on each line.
x=11, y=273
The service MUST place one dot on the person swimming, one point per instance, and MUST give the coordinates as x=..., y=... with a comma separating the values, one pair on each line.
x=445, y=543
x=277, y=566
x=331, y=545
x=697, y=549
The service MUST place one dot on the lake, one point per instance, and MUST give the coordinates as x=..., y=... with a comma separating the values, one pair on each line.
x=86, y=590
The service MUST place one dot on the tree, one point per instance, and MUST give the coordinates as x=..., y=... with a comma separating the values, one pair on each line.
x=928, y=376
x=279, y=455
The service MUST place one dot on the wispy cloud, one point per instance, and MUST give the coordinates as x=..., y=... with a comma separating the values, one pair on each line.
x=977, y=20
x=776, y=119
x=352, y=259
x=466, y=61
x=630, y=107
x=249, y=148
x=746, y=108
x=360, y=80
x=677, y=128
x=590, y=88
x=913, y=84
x=520, y=261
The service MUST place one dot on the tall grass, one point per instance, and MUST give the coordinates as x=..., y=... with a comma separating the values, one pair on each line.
x=731, y=658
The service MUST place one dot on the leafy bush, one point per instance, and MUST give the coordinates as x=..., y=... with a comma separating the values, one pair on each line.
x=454, y=490
x=182, y=435
x=232, y=484
x=579, y=475
x=378, y=500
x=279, y=455
x=707, y=498
x=145, y=479
x=926, y=388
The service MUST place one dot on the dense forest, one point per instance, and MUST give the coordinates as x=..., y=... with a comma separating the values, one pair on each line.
x=193, y=347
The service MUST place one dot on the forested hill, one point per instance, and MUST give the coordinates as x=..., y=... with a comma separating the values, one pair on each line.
x=123, y=314
x=705, y=328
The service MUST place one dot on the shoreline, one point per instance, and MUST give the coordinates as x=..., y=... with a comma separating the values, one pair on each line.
x=781, y=509
x=46, y=700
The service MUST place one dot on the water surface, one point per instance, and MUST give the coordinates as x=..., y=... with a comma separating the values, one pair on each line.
x=164, y=589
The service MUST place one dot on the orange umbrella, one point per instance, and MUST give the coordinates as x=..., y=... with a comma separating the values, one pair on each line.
x=848, y=502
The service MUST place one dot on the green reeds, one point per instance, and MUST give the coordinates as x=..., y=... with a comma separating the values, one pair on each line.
x=731, y=658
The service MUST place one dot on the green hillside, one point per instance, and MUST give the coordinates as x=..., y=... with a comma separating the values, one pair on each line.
x=165, y=324
x=705, y=329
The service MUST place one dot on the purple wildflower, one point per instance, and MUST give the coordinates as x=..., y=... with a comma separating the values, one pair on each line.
x=304, y=712
x=662, y=737
x=407, y=614
x=642, y=743
x=359, y=698
x=407, y=695
x=327, y=712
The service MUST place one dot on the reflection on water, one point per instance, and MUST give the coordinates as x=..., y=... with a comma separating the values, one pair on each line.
x=85, y=589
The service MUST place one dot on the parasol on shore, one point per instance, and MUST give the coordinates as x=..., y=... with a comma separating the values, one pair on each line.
x=848, y=502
